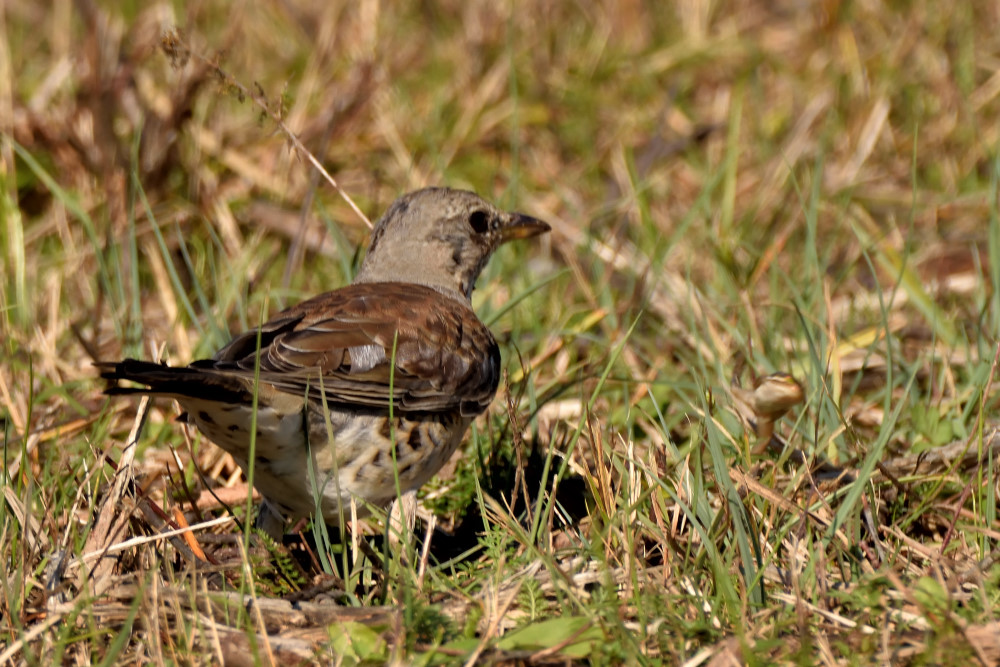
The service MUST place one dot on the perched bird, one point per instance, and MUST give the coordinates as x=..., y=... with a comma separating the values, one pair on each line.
x=356, y=386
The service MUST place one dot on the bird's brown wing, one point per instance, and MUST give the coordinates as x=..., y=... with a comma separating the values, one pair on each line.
x=340, y=345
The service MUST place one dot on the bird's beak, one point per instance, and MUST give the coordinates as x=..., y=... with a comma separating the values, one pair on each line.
x=522, y=227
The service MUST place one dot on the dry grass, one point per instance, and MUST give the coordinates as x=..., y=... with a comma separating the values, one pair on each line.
x=735, y=188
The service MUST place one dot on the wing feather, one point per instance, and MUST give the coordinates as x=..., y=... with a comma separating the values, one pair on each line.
x=445, y=358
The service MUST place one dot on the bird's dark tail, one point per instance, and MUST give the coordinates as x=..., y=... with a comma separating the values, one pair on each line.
x=185, y=381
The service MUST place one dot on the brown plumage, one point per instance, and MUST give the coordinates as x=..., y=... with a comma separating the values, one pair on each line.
x=326, y=366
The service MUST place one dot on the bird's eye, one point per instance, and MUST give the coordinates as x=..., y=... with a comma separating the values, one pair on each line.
x=479, y=221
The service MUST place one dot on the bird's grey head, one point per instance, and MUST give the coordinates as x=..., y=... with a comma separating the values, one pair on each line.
x=441, y=238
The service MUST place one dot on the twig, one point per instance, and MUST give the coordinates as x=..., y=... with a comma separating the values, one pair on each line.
x=178, y=50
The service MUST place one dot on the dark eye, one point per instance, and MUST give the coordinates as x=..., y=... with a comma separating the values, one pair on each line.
x=479, y=221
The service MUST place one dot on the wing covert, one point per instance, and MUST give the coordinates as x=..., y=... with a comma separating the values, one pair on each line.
x=445, y=358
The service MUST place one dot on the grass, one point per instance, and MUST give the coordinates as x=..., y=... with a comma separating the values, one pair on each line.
x=735, y=189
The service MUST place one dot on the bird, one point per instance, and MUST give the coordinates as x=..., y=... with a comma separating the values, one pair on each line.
x=364, y=392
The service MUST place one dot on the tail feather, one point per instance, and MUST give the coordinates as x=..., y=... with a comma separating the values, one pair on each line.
x=180, y=381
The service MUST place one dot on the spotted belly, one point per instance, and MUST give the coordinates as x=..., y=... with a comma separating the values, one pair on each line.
x=318, y=460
